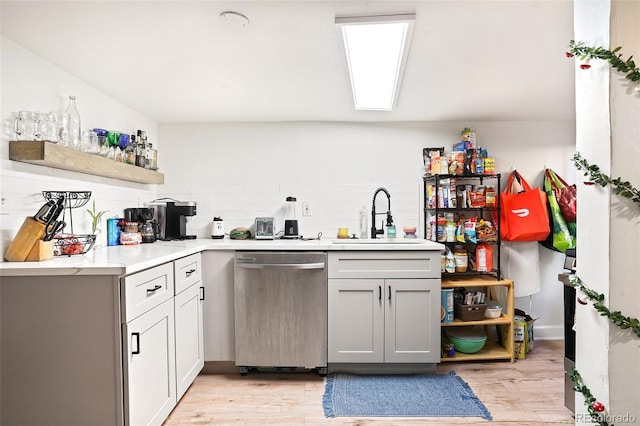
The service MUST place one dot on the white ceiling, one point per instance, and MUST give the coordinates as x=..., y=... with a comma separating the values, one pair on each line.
x=178, y=61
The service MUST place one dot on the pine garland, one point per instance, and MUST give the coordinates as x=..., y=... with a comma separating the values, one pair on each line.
x=620, y=187
x=594, y=407
x=627, y=67
x=616, y=317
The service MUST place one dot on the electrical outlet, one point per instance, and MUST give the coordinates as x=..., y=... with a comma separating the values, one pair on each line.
x=306, y=209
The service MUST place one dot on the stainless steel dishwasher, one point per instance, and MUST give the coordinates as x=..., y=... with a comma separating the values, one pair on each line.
x=281, y=310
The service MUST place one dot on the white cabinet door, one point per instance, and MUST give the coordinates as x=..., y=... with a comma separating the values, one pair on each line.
x=189, y=337
x=149, y=364
x=355, y=322
x=412, y=307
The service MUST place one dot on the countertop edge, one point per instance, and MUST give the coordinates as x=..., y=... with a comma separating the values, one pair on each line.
x=125, y=260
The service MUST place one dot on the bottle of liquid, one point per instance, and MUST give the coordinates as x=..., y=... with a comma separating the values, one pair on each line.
x=152, y=162
x=391, y=231
x=130, y=154
x=141, y=149
x=75, y=128
x=364, y=226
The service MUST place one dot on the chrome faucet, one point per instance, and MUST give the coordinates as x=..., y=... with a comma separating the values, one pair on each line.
x=374, y=231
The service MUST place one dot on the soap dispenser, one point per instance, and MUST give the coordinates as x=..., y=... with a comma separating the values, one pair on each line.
x=364, y=226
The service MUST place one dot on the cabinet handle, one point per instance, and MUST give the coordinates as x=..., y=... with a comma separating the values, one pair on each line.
x=137, y=336
x=389, y=293
x=201, y=293
x=151, y=290
x=379, y=292
x=190, y=271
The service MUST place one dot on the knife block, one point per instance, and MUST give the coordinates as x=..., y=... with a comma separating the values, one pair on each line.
x=41, y=250
x=28, y=240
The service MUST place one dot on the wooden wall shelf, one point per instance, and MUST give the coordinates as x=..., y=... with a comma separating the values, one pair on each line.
x=61, y=157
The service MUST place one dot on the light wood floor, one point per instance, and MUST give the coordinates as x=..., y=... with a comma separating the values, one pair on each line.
x=527, y=392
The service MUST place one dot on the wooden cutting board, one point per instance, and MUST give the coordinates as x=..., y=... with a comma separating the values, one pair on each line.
x=29, y=234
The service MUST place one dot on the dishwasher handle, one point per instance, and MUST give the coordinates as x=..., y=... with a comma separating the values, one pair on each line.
x=288, y=266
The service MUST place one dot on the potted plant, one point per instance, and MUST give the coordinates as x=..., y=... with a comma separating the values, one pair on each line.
x=96, y=218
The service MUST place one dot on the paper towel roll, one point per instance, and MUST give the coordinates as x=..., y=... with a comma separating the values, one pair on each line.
x=521, y=261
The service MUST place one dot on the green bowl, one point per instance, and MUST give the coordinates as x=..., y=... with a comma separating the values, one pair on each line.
x=467, y=346
x=466, y=340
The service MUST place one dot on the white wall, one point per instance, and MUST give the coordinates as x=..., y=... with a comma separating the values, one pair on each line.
x=624, y=369
x=593, y=141
x=607, y=117
x=30, y=83
x=243, y=170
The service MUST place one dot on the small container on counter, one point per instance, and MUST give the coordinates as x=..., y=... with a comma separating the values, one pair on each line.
x=130, y=235
x=113, y=231
x=391, y=231
x=410, y=231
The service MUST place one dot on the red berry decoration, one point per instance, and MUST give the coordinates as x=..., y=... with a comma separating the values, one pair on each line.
x=585, y=66
x=597, y=406
x=589, y=183
x=569, y=54
x=583, y=299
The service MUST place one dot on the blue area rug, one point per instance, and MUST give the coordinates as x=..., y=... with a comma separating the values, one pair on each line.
x=414, y=395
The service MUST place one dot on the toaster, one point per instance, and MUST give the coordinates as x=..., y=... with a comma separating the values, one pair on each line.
x=264, y=228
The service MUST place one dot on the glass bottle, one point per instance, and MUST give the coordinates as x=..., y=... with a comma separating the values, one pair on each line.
x=364, y=226
x=75, y=132
x=130, y=153
x=153, y=158
x=147, y=154
x=141, y=154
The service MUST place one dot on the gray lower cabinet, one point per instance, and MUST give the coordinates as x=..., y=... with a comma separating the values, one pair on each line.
x=219, y=319
x=150, y=375
x=383, y=320
x=61, y=353
x=384, y=307
x=189, y=337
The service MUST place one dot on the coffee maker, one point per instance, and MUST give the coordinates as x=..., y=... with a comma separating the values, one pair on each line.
x=144, y=216
x=171, y=217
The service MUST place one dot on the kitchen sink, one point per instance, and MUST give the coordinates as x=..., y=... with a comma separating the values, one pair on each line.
x=379, y=241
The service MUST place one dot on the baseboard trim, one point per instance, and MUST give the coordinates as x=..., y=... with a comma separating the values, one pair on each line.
x=548, y=332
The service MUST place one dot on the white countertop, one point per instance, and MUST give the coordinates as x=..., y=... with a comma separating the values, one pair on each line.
x=123, y=260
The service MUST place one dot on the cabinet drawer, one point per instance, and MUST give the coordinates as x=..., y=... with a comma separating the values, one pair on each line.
x=384, y=264
x=188, y=271
x=146, y=290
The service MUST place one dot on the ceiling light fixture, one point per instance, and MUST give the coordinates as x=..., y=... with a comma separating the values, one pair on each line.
x=376, y=49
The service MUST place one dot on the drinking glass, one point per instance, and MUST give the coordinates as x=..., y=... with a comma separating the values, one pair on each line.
x=51, y=132
x=90, y=142
x=25, y=126
x=63, y=128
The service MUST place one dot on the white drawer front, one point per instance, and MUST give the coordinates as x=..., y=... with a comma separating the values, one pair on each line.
x=188, y=271
x=146, y=290
x=384, y=264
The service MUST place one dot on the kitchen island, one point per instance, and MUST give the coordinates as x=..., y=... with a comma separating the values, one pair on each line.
x=75, y=329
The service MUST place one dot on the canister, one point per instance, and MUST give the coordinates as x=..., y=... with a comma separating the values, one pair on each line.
x=113, y=231
x=446, y=305
x=217, y=228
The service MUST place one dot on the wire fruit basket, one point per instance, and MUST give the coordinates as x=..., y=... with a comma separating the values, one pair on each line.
x=70, y=244
x=72, y=200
